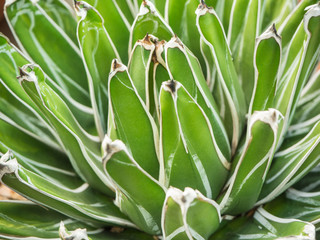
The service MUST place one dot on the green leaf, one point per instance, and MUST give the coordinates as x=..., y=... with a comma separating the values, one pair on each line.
x=298, y=64
x=74, y=198
x=307, y=107
x=289, y=25
x=183, y=66
x=82, y=149
x=24, y=219
x=98, y=51
x=115, y=22
x=223, y=9
x=243, y=30
x=132, y=122
x=127, y=8
x=192, y=139
x=263, y=225
x=268, y=49
x=47, y=44
x=211, y=31
x=307, y=113
x=310, y=182
x=180, y=14
x=23, y=117
x=11, y=59
x=63, y=15
x=251, y=163
x=291, y=164
x=139, y=195
x=311, y=25
x=21, y=220
x=297, y=204
x=149, y=21
x=159, y=75
x=275, y=11
x=182, y=216
x=139, y=68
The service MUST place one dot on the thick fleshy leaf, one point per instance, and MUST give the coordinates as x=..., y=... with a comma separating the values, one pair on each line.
x=193, y=146
x=180, y=14
x=63, y=15
x=291, y=164
x=310, y=182
x=98, y=51
x=36, y=156
x=263, y=225
x=81, y=148
x=298, y=64
x=307, y=113
x=289, y=25
x=131, y=121
x=243, y=30
x=20, y=116
x=251, y=164
x=159, y=75
x=182, y=215
x=268, y=50
x=183, y=66
x=275, y=11
x=223, y=9
x=47, y=44
x=11, y=59
x=311, y=22
x=139, y=195
x=15, y=106
x=149, y=21
x=211, y=31
x=74, y=198
x=21, y=220
x=116, y=24
x=139, y=69
x=297, y=204
x=178, y=165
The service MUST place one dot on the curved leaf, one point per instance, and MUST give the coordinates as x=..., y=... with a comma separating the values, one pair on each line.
x=131, y=121
x=48, y=45
x=82, y=148
x=98, y=51
x=149, y=21
x=193, y=147
x=263, y=225
x=211, y=31
x=76, y=200
x=138, y=194
x=182, y=215
x=252, y=163
x=25, y=220
x=291, y=164
x=116, y=24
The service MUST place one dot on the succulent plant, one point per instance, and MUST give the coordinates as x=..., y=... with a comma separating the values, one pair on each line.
x=176, y=119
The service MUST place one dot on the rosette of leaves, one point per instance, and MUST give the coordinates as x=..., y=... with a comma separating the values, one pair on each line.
x=162, y=119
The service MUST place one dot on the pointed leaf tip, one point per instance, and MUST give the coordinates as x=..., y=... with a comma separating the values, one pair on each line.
x=78, y=234
x=8, y=164
x=171, y=86
x=110, y=147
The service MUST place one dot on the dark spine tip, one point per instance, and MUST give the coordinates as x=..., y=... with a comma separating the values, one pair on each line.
x=22, y=73
x=274, y=30
x=203, y=4
x=172, y=85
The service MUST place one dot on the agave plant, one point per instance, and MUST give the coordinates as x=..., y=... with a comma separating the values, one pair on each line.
x=176, y=119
